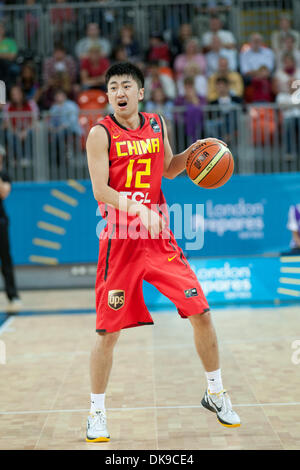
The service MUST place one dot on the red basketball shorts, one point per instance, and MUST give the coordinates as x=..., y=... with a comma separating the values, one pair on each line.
x=124, y=264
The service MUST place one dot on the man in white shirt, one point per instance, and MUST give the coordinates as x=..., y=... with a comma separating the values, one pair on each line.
x=256, y=56
x=217, y=50
x=92, y=38
x=226, y=37
x=290, y=109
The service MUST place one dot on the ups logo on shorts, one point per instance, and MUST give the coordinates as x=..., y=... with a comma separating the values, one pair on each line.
x=116, y=299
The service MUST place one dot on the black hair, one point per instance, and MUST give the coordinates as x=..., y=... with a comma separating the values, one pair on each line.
x=125, y=68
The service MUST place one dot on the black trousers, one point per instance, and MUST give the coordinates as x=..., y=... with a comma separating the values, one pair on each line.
x=6, y=261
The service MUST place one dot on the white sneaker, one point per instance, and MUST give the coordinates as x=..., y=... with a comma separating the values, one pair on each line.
x=96, y=427
x=14, y=305
x=220, y=404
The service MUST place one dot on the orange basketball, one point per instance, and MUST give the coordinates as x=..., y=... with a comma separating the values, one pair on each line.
x=210, y=164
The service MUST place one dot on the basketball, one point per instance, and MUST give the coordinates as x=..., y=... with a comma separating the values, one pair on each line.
x=210, y=164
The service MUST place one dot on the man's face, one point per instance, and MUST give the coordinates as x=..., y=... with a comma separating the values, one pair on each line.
x=93, y=31
x=59, y=55
x=124, y=95
x=256, y=42
x=215, y=24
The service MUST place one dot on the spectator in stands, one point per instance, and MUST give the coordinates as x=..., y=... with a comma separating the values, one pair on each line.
x=92, y=38
x=28, y=81
x=8, y=54
x=119, y=54
x=19, y=128
x=289, y=46
x=59, y=62
x=290, y=72
x=93, y=68
x=192, y=116
x=217, y=51
x=285, y=29
x=62, y=20
x=200, y=80
x=192, y=55
x=31, y=20
x=236, y=85
x=156, y=79
x=254, y=57
x=64, y=124
x=45, y=95
x=291, y=122
x=159, y=103
x=294, y=226
x=128, y=41
x=261, y=89
x=223, y=123
x=179, y=41
x=227, y=39
x=159, y=50
x=7, y=268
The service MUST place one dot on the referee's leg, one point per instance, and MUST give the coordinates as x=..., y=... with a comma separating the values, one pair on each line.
x=6, y=262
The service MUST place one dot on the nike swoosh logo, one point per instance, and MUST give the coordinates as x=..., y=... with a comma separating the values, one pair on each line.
x=170, y=259
x=116, y=136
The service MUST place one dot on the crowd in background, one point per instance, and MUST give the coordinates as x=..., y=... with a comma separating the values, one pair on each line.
x=189, y=69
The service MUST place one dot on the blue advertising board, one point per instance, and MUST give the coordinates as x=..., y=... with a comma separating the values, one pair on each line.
x=241, y=281
x=55, y=223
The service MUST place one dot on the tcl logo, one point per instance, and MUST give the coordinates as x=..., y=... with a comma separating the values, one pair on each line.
x=137, y=196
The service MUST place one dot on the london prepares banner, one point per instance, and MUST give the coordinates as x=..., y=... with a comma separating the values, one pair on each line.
x=59, y=222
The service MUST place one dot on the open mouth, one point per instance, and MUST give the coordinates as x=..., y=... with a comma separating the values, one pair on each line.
x=122, y=104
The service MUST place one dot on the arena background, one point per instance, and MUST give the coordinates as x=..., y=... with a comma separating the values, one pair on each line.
x=246, y=267
x=239, y=221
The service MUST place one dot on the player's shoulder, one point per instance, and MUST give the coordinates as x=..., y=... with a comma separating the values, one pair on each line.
x=98, y=135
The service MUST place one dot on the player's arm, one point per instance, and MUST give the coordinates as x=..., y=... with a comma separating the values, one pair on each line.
x=98, y=162
x=5, y=188
x=175, y=164
x=296, y=238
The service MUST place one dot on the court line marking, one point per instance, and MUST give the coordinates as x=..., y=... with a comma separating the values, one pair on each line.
x=6, y=324
x=141, y=408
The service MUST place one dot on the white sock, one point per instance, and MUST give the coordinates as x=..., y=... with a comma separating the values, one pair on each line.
x=97, y=402
x=214, y=381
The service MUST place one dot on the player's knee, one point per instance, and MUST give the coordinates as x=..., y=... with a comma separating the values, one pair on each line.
x=108, y=340
x=201, y=320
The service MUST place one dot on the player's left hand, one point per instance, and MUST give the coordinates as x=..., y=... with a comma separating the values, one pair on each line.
x=210, y=139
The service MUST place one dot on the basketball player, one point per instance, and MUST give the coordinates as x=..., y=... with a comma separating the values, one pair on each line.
x=128, y=153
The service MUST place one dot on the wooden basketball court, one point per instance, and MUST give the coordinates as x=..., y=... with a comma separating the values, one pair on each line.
x=157, y=382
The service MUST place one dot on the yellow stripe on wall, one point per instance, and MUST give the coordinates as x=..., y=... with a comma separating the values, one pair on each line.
x=64, y=197
x=46, y=243
x=77, y=186
x=290, y=259
x=57, y=212
x=51, y=228
x=43, y=260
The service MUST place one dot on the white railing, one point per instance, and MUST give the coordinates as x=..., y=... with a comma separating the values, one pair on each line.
x=263, y=139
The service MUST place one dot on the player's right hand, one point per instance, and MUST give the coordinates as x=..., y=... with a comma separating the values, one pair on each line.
x=151, y=220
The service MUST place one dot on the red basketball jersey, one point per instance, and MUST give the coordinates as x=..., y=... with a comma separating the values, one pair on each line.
x=136, y=162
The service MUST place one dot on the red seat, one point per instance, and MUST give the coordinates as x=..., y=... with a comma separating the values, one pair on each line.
x=92, y=99
x=92, y=104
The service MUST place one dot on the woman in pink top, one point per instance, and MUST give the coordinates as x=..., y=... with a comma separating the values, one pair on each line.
x=192, y=57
